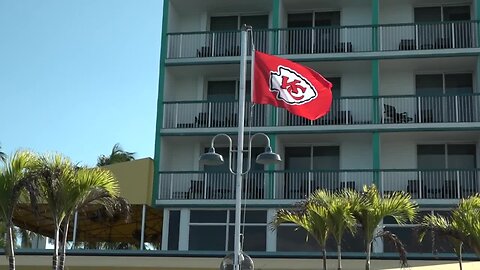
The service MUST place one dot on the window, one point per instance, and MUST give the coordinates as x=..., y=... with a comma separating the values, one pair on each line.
x=220, y=183
x=445, y=97
x=458, y=181
x=173, y=229
x=214, y=230
x=227, y=39
x=408, y=234
x=433, y=35
x=310, y=168
x=223, y=110
x=322, y=38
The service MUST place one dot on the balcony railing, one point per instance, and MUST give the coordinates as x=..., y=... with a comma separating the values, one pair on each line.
x=295, y=185
x=344, y=111
x=331, y=39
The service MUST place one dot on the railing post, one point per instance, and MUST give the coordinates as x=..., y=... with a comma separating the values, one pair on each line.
x=209, y=124
x=419, y=110
x=171, y=186
x=456, y=109
x=175, y=124
x=181, y=46
x=213, y=45
x=453, y=35
x=458, y=185
x=346, y=111
x=420, y=185
x=416, y=37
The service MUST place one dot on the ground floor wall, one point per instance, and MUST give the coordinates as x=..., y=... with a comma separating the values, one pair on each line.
x=153, y=262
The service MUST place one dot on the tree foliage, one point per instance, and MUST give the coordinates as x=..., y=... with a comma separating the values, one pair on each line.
x=116, y=156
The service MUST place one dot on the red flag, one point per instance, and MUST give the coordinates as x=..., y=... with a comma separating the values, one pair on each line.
x=285, y=84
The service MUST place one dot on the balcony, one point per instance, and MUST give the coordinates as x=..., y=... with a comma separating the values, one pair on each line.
x=407, y=38
x=395, y=111
x=424, y=185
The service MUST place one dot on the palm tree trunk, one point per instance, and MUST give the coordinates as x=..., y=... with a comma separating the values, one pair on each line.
x=63, y=249
x=369, y=254
x=339, y=255
x=460, y=256
x=11, y=251
x=55, y=248
x=324, y=253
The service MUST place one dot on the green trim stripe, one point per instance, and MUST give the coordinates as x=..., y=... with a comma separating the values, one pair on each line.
x=161, y=81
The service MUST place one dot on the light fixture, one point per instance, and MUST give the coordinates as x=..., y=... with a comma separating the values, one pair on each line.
x=211, y=158
x=268, y=157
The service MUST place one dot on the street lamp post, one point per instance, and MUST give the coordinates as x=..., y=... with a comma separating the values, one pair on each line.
x=213, y=158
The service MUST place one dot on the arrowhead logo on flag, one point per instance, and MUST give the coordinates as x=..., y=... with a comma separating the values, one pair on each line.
x=296, y=88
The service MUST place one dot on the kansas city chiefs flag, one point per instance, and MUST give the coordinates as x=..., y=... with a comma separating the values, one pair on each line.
x=285, y=84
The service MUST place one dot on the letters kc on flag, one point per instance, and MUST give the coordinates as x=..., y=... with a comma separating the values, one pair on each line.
x=296, y=88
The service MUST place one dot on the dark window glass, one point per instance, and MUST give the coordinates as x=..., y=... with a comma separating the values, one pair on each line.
x=250, y=216
x=456, y=13
x=289, y=238
x=173, y=229
x=461, y=156
x=254, y=238
x=409, y=237
x=221, y=90
x=208, y=216
x=429, y=85
x=207, y=238
x=350, y=243
x=300, y=20
x=428, y=14
x=256, y=21
x=297, y=157
x=327, y=18
x=223, y=23
x=431, y=156
x=326, y=157
x=458, y=83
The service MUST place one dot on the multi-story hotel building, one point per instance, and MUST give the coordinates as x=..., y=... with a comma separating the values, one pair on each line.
x=405, y=115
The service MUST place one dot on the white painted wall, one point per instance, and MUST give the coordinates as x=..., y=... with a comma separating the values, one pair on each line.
x=401, y=82
x=396, y=12
x=356, y=13
x=356, y=151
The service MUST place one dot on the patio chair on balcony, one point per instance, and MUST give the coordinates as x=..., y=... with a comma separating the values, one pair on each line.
x=413, y=187
x=406, y=44
x=201, y=120
x=450, y=189
x=196, y=190
x=392, y=116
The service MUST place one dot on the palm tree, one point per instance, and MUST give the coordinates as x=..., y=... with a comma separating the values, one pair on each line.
x=117, y=155
x=339, y=216
x=370, y=208
x=463, y=226
x=14, y=180
x=67, y=189
x=3, y=156
x=312, y=218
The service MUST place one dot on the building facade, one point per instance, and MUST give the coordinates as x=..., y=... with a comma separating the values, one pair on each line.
x=405, y=115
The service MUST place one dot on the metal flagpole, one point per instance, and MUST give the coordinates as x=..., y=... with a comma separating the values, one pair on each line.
x=238, y=173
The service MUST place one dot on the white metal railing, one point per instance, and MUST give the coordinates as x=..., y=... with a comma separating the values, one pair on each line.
x=432, y=184
x=344, y=111
x=424, y=36
x=295, y=185
x=213, y=44
x=430, y=109
x=209, y=185
x=205, y=114
x=331, y=39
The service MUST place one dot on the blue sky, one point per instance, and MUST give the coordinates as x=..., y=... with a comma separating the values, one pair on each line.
x=78, y=76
